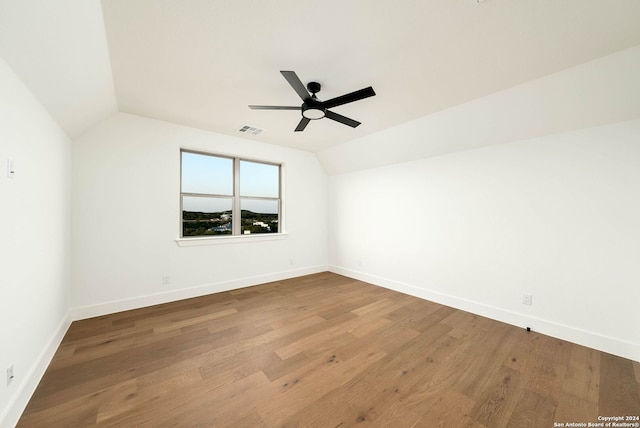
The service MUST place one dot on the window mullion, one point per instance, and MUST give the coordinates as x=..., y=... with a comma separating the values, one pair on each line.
x=237, y=213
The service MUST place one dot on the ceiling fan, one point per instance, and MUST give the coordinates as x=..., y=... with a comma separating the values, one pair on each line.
x=312, y=108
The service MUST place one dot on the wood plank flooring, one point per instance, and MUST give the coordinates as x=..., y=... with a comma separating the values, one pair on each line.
x=322, y=351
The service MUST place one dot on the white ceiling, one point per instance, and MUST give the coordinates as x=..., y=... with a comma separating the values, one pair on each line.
x=202, y=62
x=58, y=48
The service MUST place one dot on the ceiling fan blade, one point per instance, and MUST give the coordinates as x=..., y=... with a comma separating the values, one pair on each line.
x=296, y=84
x=274, y=108
x=342, y=119
x=349, y=98
x=303, y=124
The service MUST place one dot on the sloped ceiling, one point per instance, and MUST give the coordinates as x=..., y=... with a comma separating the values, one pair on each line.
x=59, y=50
x=200, y=63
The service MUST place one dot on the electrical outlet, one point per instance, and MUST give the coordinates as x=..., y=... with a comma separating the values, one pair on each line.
x=527, y=299
x=10, y=375
x=166, y=280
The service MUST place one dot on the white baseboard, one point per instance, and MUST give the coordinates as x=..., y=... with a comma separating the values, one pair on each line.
x=24, y=391
x=84, y=312
x=593, y=340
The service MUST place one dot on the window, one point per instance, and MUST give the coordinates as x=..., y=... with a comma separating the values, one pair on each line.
x=228, y=196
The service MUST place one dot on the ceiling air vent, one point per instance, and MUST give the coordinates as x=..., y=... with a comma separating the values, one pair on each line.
x=250, y=130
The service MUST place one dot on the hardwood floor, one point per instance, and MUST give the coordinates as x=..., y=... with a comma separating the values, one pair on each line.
x=322, y=351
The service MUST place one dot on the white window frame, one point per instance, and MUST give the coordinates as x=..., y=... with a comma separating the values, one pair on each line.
x=236, y=235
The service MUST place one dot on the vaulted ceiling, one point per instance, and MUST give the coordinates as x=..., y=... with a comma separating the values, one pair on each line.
x=202, y=62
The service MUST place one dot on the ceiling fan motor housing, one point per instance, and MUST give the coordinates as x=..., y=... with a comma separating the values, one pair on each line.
x=313, y=87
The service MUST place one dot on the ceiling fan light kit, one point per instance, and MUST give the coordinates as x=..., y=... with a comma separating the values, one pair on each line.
x=313, y=112
x=312, y=108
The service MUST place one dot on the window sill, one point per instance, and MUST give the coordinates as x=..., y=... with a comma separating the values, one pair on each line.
x=198, y=241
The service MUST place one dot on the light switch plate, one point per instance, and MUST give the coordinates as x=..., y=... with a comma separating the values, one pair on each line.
x=11, y=171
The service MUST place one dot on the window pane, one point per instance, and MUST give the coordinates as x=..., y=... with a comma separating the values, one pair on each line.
x=206, y=174
x=259, y=216
x=206, y=216
x=259, y=179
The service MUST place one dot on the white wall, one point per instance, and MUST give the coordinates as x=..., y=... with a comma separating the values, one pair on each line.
x=556, y=217
x=59, y=50
x=34, y=243
x=126, y=184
